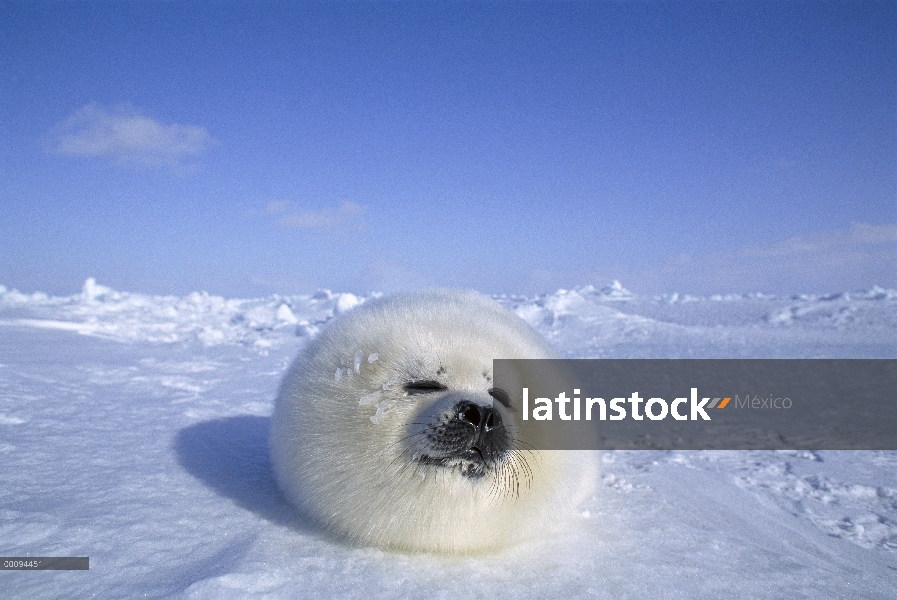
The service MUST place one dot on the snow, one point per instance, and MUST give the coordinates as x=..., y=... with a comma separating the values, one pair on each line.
x=133, y=430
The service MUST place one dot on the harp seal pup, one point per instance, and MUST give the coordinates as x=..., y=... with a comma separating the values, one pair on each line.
x=387, y=431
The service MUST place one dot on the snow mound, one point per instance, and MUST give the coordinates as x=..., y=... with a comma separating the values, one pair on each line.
x=197, y=317
x=584, y=322
x=614, y=323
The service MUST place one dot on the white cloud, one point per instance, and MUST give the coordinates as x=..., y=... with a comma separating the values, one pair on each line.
x=276, y=207
x=124, y=134
x=856, y=257
x=858, y=234
x=346, y=216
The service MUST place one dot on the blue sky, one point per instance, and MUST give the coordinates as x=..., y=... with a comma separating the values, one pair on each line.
x=248, y=149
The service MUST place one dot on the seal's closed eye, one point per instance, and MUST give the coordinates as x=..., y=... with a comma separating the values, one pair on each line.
x=500, y=395
x=424, y=386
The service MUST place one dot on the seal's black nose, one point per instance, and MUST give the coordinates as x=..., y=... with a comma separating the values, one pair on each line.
x=481, y=417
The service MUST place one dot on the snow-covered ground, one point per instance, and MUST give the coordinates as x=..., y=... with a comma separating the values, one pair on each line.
x=133, y=430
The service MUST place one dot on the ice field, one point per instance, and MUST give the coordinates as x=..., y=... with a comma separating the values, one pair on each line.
x=133, y=430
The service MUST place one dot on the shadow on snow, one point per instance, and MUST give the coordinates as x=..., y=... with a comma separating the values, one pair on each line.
x=230, y=456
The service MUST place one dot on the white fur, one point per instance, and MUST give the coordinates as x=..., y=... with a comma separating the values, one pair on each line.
x=341, y=417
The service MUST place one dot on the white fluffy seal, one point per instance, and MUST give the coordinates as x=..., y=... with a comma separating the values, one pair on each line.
x=387, y=430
